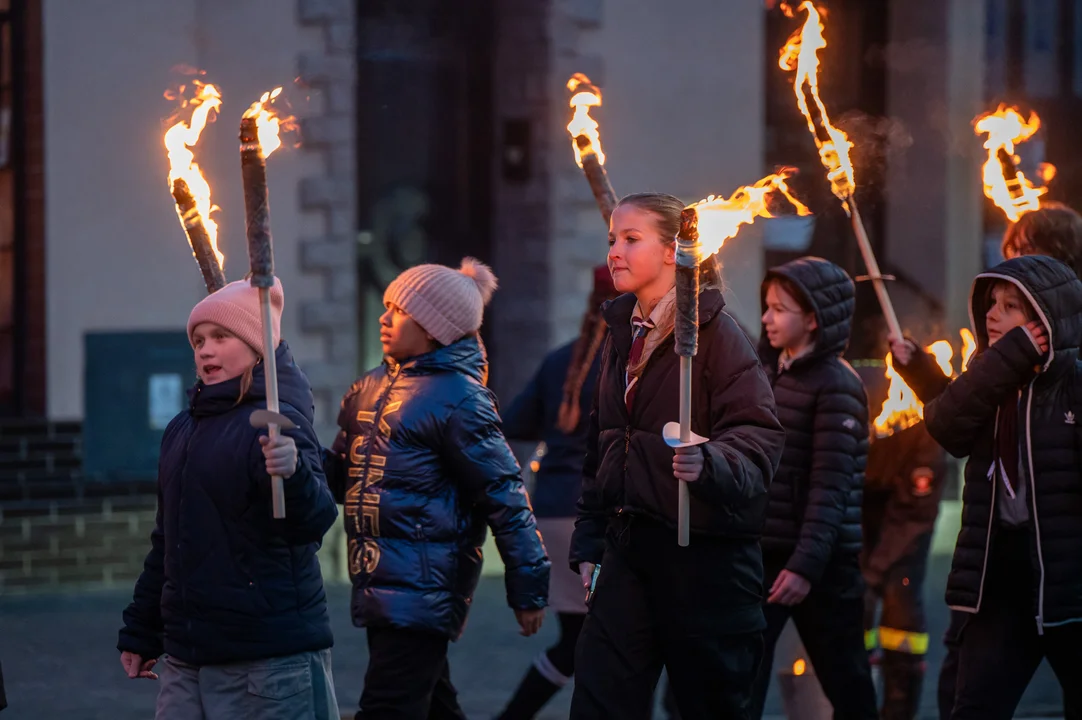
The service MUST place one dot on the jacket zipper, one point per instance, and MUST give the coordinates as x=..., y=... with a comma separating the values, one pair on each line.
x=423, y=541
x=1036, y=520
x=380, y=404
x=991, y=519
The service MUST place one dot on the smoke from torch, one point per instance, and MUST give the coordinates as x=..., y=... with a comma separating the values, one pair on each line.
x=190, y=189
x=586, y=142
x=1004, y=183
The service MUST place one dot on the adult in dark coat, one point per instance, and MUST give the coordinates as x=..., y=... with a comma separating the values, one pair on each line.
x=1017, y=567
x=554, y=409
x=695, y=610
x=812, y=536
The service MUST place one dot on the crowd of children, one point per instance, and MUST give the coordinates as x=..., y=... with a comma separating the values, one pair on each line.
x=232, y=599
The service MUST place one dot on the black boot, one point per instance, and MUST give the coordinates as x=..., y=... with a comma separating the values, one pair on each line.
x=903, y=676
x=533, y=692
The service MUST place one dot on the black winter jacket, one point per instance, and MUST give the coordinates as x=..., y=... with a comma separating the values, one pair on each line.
x=963, y=420
x=422, y=467
x=628, y=468
x=813, y=519
x=532, y=416
x=224, y=581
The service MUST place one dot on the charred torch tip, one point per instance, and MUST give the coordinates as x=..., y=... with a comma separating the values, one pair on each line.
x=689, y=224
x=583, y=142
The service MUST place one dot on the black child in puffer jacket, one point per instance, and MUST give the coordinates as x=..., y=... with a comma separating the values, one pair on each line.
x=812, y=536
x=1017, y=569
x=423, y=469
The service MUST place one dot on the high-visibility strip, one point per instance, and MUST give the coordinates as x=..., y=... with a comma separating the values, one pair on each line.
x=902, y=641
x=871, y=639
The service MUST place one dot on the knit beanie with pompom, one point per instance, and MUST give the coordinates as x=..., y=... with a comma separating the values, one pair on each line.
x=447, y=303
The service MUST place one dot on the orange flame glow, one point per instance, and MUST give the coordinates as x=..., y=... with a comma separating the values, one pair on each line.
x=179, y=139
x=943, y=353
x=581, y=122
x=801, y=53
x=901, y=409
x=721, y=218
x=969, y=344
x=268, y=121
x=1005, y=128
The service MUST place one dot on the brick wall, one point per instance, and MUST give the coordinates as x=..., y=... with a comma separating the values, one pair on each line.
x=75, y=543
x=59, y=529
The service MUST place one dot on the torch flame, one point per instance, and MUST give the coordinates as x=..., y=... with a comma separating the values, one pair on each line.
x=1005, y=128
x=968, y=346
x=267, y=121
x=178, y=140
x=901, y=409
x=943, y=353
x=801, y=53
x=581, y=123
x=721, y=218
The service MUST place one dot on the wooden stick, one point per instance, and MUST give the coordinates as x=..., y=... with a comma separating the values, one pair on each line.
x=873, y=269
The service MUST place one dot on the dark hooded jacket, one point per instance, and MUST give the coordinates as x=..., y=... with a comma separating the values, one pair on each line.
x=628, y=468
x=224, y=581
x=963, y=421
x=533, y=415
x=813, y=519
x=422, y=467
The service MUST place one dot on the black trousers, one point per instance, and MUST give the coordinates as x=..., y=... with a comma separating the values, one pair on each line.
x=831, y=626
x=408, y=677
x=1000, y=645
x=659, y=605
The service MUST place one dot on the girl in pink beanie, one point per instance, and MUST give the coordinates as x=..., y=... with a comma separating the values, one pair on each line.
x=422, y=468
x=232, y=596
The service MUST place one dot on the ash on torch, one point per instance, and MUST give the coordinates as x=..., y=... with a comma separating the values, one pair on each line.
x=213, y=276
x=253, y=168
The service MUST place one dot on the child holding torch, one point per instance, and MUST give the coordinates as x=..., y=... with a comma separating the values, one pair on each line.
x=696, y=610
x=233, y=596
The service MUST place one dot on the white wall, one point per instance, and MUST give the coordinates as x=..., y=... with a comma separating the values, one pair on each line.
x=116, y=256
x=683, y=113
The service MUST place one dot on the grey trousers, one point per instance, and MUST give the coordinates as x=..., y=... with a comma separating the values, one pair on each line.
x=295, y=687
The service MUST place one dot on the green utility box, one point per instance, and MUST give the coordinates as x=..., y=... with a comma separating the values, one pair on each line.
x=134, y=384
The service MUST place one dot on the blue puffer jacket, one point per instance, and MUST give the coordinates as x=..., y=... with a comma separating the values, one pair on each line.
x=224, y=581
x=422, y=466
x=532, y=416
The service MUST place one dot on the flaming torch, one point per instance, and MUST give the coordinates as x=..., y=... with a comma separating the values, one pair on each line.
x=1004, y=183
x=801, y=53
x=901, y=408
x=190, y=189
x=704, y=228
x=586, y=141
x=258, y=139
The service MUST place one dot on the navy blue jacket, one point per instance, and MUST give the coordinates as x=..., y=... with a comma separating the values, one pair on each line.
x=422, y=467
x=224, y=581
x=532, y=416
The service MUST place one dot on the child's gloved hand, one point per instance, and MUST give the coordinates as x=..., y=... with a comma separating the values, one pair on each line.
x=901, y=350
x=687, y=463
x=529, y=621
x=1039, y=334
x=281, y=455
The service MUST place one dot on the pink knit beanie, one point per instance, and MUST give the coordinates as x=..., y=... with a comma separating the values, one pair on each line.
x=236, y=308
x=447, y=303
